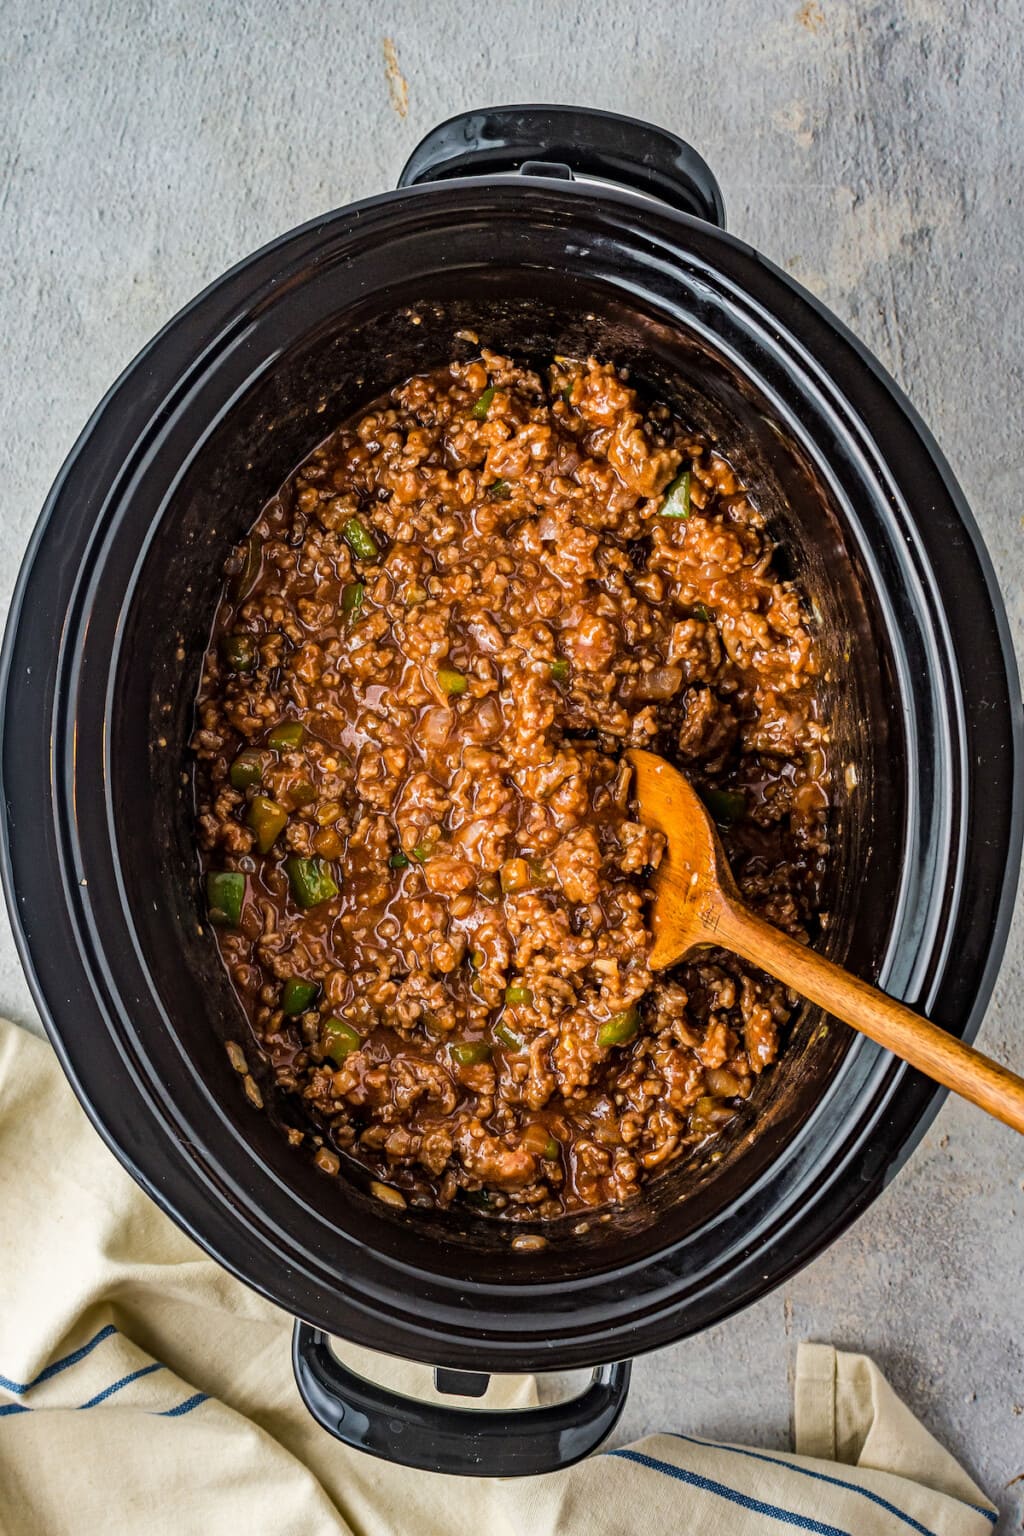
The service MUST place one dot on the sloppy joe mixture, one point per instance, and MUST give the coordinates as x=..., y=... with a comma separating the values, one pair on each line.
x=421, y=854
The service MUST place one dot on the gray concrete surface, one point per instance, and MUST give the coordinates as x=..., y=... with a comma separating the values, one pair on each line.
x=873, y=149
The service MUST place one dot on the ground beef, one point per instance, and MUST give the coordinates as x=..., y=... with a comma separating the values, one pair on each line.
x=432, y=651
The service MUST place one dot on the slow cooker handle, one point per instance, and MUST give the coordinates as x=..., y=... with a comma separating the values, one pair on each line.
x=590, y=143
x=462, y=1441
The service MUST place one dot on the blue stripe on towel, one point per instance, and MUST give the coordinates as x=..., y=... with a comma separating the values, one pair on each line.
x=185, y=1407
x=58, y=1365
x=824, y=1477
x=166, y=1413
x=101, y=1397
x=756, y=1506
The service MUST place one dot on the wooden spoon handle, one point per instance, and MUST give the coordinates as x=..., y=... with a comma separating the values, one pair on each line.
x=923, y=1044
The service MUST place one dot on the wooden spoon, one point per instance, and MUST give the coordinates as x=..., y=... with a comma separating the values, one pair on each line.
x=696, y=902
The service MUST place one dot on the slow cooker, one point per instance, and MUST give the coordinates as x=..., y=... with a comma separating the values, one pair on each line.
x=543, y=230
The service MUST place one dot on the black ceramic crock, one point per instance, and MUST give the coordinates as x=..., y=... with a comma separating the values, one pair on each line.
x=490, y=232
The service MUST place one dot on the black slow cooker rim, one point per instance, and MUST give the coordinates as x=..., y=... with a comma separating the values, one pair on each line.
x=157, y=1163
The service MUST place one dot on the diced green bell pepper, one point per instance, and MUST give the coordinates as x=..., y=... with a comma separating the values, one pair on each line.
x=620, y=1028
x=225, y=893
x=360, y=540
x=268, y=820
x=311, y=881
x=452, y=682
x=677, y=497
x=301, y=793
x=352, y=595
x=248, y=768
x=286, y=736
x=470, y=1053
x=297, y=995
x=239, y=651
x=339, y=1039
x=483, y=404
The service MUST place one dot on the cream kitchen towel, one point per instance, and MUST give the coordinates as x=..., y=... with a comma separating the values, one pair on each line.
x=143, y=1390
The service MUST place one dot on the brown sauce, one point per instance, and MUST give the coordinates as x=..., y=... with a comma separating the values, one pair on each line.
x=463, y=607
